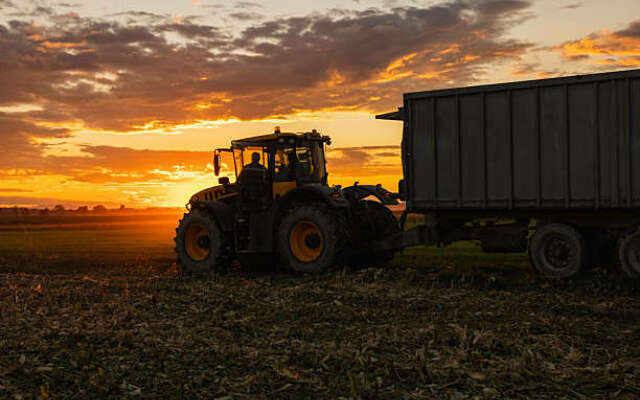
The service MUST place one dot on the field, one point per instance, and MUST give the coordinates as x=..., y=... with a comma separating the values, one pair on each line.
x=95, y=308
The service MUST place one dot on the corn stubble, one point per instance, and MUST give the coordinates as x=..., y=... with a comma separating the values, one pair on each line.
x=440, y=329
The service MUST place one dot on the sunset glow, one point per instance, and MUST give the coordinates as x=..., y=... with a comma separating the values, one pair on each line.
x=123, y=104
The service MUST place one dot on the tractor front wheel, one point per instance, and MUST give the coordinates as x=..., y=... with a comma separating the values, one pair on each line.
x=199, y=244
x=310, y=238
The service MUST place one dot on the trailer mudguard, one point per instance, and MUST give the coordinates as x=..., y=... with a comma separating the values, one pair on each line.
x=359, y=192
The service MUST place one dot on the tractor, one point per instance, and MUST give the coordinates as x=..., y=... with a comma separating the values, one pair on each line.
x=281, y=211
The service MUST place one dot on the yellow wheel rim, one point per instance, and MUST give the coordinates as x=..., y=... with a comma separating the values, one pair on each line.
x=197, y=242
x=306, y=241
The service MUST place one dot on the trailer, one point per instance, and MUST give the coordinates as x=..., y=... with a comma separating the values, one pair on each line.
x=547, y=166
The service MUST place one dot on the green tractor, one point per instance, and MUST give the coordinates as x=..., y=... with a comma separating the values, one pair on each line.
x=281, y=210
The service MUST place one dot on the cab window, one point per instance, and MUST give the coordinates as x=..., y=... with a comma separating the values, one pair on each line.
x=282, y=164
x=305, y=163
x=242, y=157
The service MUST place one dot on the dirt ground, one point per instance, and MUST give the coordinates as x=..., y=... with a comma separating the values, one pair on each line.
x=435, y=324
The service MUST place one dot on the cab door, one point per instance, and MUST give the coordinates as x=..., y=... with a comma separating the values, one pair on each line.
x=284, y=179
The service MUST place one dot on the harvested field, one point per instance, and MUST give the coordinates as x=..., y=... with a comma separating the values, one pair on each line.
x=451, y=324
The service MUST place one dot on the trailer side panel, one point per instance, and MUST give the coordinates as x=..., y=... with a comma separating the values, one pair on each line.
x=552, y=143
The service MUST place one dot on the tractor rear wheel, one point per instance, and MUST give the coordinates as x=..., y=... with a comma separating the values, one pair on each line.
x=310, y=238
x=377, y=222
x=199, y=244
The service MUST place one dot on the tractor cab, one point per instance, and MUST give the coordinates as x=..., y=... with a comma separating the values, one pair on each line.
x=270, y=166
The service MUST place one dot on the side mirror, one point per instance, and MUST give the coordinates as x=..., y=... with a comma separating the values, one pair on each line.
x=223, y=180
x=216, y=162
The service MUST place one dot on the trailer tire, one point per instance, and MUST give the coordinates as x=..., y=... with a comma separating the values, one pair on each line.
x=557, y=251
x=629, y=254
x=310, y=238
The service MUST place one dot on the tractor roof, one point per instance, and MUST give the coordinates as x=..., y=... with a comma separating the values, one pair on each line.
x=280, y=135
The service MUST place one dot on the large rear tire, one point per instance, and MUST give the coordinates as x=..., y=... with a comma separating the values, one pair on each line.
x=199, y=244
x=376, y=222
x=557, y=251
x=310, y=238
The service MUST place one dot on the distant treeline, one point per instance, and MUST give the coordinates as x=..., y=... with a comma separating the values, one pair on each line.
x=82, y=210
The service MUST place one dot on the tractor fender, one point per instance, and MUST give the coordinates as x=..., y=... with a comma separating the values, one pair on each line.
x=332, y=196
x=224, y=213
x=359, y=192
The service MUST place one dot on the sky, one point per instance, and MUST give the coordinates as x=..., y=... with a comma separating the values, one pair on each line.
x=122, y=102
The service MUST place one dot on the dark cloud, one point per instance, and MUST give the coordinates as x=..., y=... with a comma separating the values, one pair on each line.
x=141, y=15
x=214, y=6
x=246, y=16
x=247, y=5
x=41, y=10
x=104, y=74
x=573, y=6
x=632, y=31
x=273, y=67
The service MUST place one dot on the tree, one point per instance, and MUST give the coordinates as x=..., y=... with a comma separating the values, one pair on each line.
x=58, y=208
x=99, y=207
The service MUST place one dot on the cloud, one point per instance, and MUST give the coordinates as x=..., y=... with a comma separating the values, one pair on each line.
x=100, y=164
x=534, y=70
x=277, y=67
x=135, y=16
x=246, y=16
x=14, y=190
x=573, y=6
x=48, y=202
x=87, y=73
x=364, y=161
x=247, y=5
x=608, y=49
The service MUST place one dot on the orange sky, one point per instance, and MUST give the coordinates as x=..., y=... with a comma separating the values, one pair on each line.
x=122, y=104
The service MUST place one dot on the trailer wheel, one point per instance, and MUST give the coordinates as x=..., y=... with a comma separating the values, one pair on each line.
x=310, y=238
x=199, y=244
x=557, y=251
x=629, y=254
